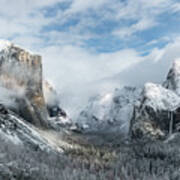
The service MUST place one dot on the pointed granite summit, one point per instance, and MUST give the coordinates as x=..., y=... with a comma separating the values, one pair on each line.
x=157, y=115
x=110, y=112
x=173, y=78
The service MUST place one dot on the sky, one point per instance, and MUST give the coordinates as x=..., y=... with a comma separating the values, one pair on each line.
x=91, y=47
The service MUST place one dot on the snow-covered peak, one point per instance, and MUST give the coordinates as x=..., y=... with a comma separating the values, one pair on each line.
x=127, y=94
x=4, y=44
x=153, y=118
x=110, y=112
x=7, y=47
x=107, y=98
x=159, y=98
x=173, y=79
x=176, y=66
x=99, y=105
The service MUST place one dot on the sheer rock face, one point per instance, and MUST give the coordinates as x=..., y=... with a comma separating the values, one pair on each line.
x=152, y=117
x=155, y=117
x=21, y=72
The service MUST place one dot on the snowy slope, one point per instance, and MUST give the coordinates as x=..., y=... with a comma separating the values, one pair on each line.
x=16, y=130
x=109, y=112
x=160, y=98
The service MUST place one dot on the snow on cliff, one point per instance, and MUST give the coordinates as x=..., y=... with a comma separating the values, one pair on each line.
x=155, y=117
x=110, y=112
x=160, y=98
x=134, y=107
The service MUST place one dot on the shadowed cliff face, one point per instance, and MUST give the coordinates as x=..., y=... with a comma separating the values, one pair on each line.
x=21, y=72
x=156, y=117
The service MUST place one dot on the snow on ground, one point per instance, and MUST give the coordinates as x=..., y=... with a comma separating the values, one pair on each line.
x=28, y=133
x=8, y=136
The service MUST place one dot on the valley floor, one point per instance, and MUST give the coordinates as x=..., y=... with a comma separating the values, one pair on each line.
x=90, y=157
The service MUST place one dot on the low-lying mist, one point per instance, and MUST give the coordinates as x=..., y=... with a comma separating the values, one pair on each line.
x=8, y=96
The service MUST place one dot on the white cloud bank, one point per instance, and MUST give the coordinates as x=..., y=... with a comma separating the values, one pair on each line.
x=78, y=73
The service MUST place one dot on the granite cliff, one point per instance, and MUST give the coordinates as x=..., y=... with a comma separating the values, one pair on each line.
x=30, y=96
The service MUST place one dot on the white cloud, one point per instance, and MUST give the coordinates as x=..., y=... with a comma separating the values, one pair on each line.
x=144, y=24
x=176, y=7
x=26, y=18
x=141, y=25
x=78, y=73
x=143, y=13
x=154, y=68
x=23, y=18
x=82, y=5
x=80, y=65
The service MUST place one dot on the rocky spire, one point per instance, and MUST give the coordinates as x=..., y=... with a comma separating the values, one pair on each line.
x=173, y=78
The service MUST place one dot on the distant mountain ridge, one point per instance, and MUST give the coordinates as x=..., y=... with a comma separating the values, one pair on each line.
x=110, y=112
x=143, y=113
x=158, y=102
